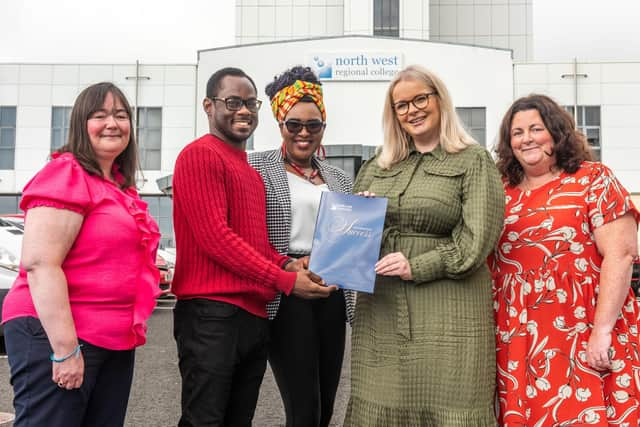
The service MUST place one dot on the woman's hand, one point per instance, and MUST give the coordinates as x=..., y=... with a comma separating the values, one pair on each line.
x=598, y=347
x=394, y=264
x=365, y=194
x=70, y=373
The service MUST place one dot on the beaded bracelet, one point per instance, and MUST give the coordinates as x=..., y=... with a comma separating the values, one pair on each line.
x=75, y=352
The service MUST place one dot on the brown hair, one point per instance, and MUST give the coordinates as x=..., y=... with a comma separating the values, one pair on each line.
x=570, y=146
x=88, y=102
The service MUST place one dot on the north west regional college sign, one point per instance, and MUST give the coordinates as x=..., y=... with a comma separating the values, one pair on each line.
x=350, y=66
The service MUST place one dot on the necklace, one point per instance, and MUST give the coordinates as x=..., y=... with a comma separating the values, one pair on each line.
x=300, y=171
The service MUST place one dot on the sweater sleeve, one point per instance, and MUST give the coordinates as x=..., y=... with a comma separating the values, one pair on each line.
x=476, y=232
x=198, y=183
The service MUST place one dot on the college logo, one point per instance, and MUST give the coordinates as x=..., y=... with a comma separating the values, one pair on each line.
x=323, y=68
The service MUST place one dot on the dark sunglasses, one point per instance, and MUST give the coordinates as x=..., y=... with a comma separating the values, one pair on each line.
x=235, y=103
x=295, y=126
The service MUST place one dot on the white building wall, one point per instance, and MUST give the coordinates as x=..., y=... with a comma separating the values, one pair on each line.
x=270, y=20
x=614, y=86
x=35, y=88
x=414, y=19
x=476, y=77
x=497, y=23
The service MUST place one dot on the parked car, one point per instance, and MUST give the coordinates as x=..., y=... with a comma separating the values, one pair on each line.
x=165, y=262
x=11, y=231
x=635, y=277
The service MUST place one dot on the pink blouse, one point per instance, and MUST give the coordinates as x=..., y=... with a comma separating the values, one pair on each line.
x=110, y=269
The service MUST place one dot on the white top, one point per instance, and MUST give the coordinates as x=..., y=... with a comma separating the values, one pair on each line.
x=305, y=200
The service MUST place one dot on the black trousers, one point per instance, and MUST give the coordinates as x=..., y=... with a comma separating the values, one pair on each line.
x=306, y=349
x=222, y=353
x=102, y=399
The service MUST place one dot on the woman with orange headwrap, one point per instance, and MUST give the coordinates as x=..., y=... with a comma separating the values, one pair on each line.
x=307, y=337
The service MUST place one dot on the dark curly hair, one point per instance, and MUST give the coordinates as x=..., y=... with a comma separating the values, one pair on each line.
x=288, y=77
x=570, y=146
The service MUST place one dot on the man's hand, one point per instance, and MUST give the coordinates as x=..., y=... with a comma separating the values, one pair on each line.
x=311, y=286
x=298, y=264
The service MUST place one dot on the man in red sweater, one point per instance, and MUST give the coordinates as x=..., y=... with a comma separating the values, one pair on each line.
x=226, y=270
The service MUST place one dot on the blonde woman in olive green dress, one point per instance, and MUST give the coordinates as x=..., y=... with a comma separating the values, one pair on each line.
x=424, y=343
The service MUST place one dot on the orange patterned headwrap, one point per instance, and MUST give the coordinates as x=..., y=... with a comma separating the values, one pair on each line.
x=287, y=97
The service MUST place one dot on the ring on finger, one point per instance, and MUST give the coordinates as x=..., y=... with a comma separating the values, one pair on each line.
x=60, y=384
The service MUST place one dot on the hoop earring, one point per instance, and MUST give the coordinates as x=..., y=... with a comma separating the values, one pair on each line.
x=321, y=152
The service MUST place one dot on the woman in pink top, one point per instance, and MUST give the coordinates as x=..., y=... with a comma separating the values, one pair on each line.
x=88, y=280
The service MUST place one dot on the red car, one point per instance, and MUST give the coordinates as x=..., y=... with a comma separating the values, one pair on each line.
x=166, y=274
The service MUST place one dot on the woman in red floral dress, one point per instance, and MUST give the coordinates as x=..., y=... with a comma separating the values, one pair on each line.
x=567, y=320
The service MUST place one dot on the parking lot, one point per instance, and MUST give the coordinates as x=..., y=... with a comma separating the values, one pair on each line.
x=155, y=395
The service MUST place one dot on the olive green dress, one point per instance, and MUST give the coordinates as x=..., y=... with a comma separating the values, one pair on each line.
x=424, y=350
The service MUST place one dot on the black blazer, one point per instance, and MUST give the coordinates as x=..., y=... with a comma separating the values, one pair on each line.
x=270, y=165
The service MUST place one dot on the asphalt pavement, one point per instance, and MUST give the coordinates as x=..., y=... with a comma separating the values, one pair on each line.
x=155, y=394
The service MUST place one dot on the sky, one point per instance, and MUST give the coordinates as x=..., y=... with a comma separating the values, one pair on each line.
x=152, y=31
x=586, y=29
x=163, y=31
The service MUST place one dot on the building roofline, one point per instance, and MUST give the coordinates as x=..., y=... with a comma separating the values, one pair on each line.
x=363, y=36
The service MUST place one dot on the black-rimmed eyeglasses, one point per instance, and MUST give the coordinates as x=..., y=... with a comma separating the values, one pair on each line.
x=235, y=103
x=419, y=101
x=295, y=126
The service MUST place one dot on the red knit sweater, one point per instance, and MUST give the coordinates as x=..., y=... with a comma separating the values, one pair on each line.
x=219, y=216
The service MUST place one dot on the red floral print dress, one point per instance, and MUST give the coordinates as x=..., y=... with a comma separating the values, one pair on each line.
x=546, y=278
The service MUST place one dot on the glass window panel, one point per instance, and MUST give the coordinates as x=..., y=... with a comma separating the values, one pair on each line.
x=593, y=137
x=166, y=205
x=464, y=115
x=6, y=158
x=8, y=116
x=9, y=205
x=8, y=137
x=152, y=160
x=580, y=118
x=56, y=117
x=478, y=135
x=154, y=118
x=164, y=224
x=478, y=117
x=141, y=117
x=153, y=139
x=56, y=139
x=592, y=116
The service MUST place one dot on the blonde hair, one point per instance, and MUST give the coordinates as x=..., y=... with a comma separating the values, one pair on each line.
x=397, y=143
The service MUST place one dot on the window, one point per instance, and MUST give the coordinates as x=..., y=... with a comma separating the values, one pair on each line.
x=7, y=137
x=149, y=135
x=588, y=122
x=59, y=126
x=474, y=120
x=386, y=21
x=9, y=204
x=161, y=210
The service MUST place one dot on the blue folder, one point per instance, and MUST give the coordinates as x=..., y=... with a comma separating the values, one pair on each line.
x=346, y=240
